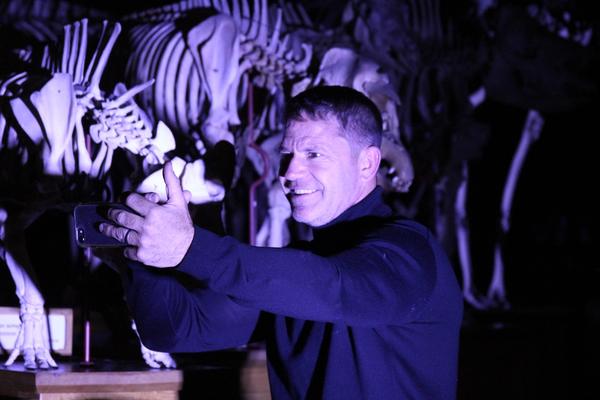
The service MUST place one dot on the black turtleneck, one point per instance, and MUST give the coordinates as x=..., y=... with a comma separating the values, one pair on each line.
x=371, y=310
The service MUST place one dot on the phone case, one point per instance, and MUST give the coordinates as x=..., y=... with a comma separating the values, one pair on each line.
x=87, y=219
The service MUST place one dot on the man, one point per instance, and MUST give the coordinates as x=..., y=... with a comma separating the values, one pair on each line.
x=369, y=309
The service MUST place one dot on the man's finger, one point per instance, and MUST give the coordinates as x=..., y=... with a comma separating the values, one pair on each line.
x=140, y=204
x=187, y=195
x=132, y=238
x=123, y=235
x=153, y=197
x=125, y=218
x=131, y=253
x=174, y=189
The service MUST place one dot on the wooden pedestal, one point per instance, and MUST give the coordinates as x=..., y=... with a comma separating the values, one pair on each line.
x=104, y=380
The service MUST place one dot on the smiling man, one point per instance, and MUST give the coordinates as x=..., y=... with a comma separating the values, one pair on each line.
x=324, y=170
x=369, y=309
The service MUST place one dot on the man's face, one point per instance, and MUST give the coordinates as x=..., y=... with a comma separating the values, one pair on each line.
x=318, y=172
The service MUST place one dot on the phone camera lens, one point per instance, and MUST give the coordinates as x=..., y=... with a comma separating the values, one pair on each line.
x=80, y=235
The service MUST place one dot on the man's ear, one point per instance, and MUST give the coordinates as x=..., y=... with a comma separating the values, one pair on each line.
x=369, y=160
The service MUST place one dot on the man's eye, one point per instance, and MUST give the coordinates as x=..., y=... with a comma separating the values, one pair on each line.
x=313, y=154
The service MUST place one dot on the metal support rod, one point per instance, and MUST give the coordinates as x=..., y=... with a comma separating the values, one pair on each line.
x=265, y=158
x=85, y=309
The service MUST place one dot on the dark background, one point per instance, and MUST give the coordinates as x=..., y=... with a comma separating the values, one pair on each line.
x=546, y=344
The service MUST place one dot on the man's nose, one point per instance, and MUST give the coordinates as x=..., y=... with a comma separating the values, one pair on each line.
x=290, y=167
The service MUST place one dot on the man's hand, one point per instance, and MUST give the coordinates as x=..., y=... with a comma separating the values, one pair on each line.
x=161, y=234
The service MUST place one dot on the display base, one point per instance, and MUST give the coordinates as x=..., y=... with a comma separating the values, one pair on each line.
x=102, y=380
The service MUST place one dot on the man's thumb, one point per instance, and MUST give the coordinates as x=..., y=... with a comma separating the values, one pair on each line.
x=174, y=189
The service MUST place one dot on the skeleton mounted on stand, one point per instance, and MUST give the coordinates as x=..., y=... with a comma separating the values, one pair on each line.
x=62, y=128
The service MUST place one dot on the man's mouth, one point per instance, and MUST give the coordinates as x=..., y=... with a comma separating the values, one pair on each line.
x=296, y=192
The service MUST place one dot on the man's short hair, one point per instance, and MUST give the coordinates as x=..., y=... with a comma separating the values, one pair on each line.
x=357, y=115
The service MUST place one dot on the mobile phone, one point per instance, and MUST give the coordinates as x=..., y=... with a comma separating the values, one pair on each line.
x=87, y=220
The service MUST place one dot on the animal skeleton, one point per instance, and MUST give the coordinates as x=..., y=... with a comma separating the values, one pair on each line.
x=496, y=294
x=201, y=72
x=544, y=84
x=52, y=118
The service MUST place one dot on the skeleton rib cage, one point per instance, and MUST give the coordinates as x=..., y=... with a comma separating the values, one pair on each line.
x=201, y=55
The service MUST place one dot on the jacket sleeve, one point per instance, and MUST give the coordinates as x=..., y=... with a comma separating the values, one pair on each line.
x=376, y=282
x=174, y=317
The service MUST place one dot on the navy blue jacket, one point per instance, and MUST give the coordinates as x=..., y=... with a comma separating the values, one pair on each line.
x=369, y=309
